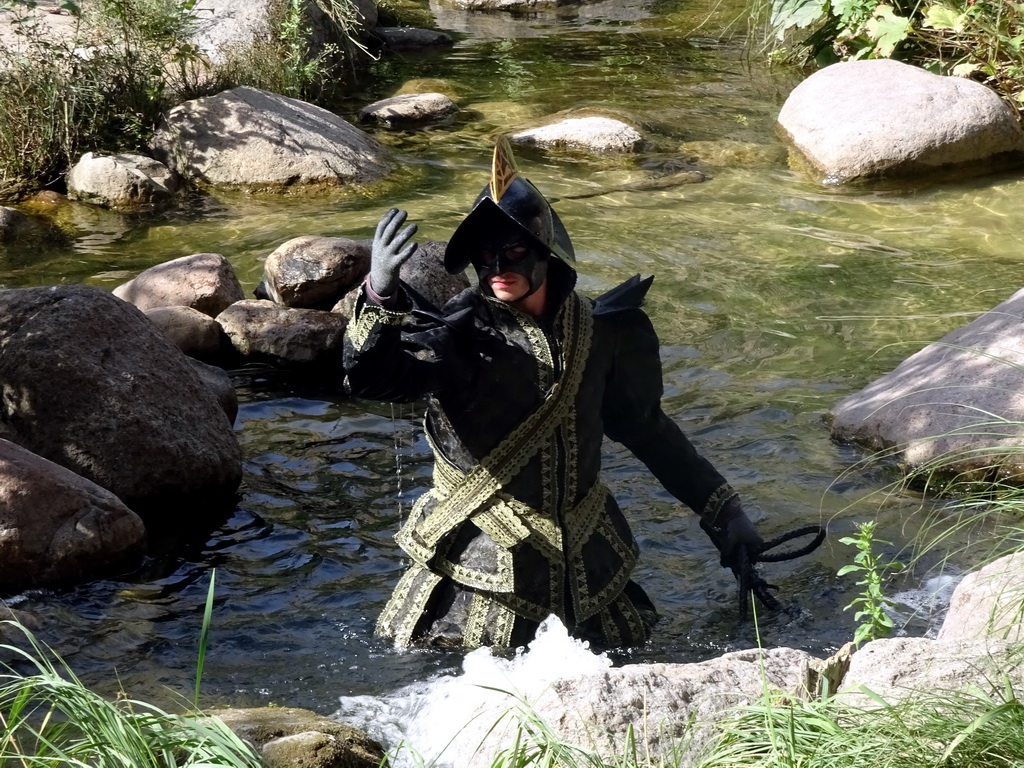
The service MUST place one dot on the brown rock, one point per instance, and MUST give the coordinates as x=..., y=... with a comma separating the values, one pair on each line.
x=203, y=281
x=57, y=527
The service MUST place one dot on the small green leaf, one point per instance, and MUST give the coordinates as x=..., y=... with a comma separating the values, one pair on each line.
x=888, y=29
x=787, y=14
x=941, y=17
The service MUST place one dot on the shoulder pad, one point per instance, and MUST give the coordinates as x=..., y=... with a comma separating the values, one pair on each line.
x=628, y=295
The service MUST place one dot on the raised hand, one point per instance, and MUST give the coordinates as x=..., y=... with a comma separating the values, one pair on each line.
x=391, y=249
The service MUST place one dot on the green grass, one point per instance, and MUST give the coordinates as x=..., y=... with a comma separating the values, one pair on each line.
x=49, y=718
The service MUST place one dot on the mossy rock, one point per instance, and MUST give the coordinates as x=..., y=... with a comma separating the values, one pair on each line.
x=298, y=738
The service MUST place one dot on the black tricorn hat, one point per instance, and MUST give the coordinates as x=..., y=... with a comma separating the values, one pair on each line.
x=508, y=197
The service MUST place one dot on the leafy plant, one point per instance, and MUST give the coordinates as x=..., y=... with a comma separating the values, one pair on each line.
x=871, y=603
x=981, y=39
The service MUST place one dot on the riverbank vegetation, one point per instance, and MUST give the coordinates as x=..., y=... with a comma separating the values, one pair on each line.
x=980, y=39
x=103, y=86
x=48, y=717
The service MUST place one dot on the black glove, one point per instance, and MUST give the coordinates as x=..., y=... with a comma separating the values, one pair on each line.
x=735, y=531
x=391, y=249
x=740, y=544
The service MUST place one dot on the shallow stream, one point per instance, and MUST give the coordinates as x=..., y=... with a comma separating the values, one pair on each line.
x=774, y=298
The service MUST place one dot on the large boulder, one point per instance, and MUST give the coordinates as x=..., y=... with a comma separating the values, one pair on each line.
x=203, y=281
x=127, y=182
x=258, y=141
x=58, y=528
x=90, y=383
x=957, y=404
x=988, y=602
x=313, y=272
x=874, y=118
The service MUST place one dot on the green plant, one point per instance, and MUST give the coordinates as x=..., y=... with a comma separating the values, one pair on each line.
x=966, y=729
x=101, y=89
x=874, y=622
x=982, y=39
x=48, y=717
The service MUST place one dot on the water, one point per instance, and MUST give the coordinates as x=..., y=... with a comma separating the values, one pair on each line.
x=774, y=298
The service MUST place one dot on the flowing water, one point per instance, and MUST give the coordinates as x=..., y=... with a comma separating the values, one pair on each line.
x=774, y=298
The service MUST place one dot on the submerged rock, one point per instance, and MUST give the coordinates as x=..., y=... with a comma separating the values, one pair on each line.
x=259, y=141
x=412, y=38
x=877, y=118
x=593, y=134
x=409, y=110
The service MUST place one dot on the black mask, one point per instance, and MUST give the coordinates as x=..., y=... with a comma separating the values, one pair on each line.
x=510, y=251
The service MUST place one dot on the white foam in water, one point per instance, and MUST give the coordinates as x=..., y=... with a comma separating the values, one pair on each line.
x=928, y=603
x=429, y=718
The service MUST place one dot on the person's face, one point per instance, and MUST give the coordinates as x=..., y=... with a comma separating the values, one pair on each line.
x=510, y=265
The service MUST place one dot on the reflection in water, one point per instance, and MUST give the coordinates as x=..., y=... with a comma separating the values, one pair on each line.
x=773, y=297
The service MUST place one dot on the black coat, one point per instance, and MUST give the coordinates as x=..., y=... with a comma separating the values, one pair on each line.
x=549, y=539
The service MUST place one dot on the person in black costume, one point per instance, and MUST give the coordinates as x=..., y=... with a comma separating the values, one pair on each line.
x=523, y=376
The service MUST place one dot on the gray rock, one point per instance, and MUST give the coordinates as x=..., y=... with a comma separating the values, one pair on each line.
x=196, y=334
x=411, y=38
x=957, y=403
x=873, y=118
x=988, y=603
x=538, y=19
x=90, y=383
x=901, y=668
x=592, y=134
x=259, y=141
x=57, y=528
x=312, y=272
x=127, y=182
x=224, y=26
x=290, y=738
x=671, y=709
x=414, y=109
x=261, y=330
x=203, y=281
x=220, y=384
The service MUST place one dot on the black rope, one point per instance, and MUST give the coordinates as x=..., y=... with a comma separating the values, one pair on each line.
x=797, y=533
x=750, y=581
